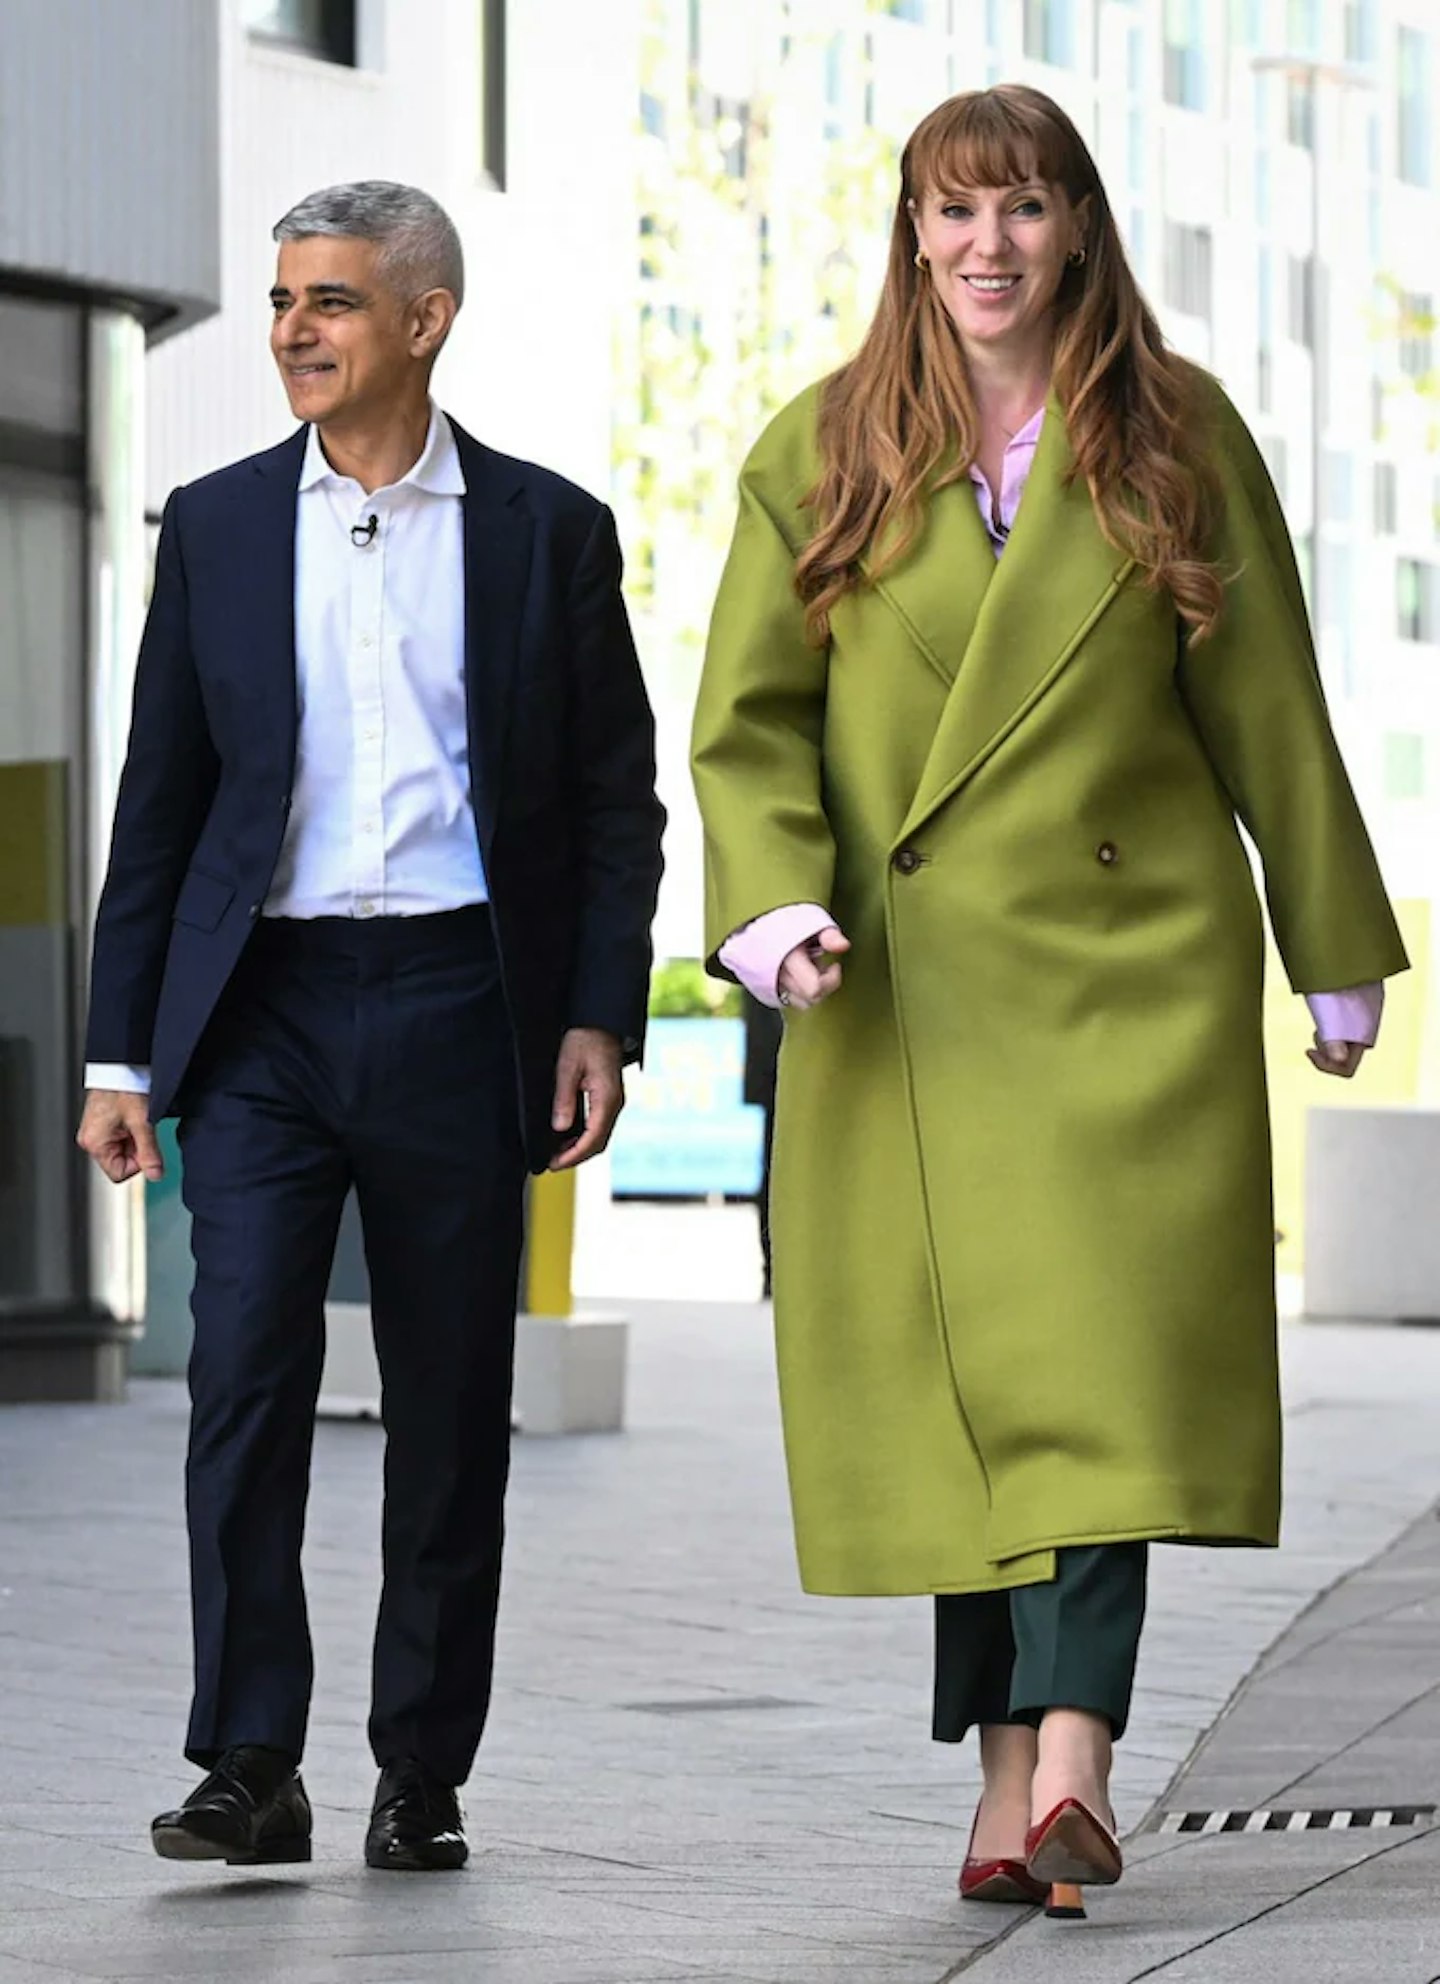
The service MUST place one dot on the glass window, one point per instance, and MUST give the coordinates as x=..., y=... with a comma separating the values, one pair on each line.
x=834, y=84
x=1360, y=30
x=494, y=94
x=1188, y=268
x=42, y=378
x=1302, y=27
x=1277, y=460
x=1339, y=478
x=1247, y=21
x=323, y=28
x=1184, y=68
x=1404, y=765
x=1413, y=107
x=1135, y=147
x=1417, y=333
x=1050, y=32
x=42, y=607
x=1300, y=112
x=1137, y=237
x=1135, y=60
x=1300, y=299
x=1385, y=499
x=1417, y=599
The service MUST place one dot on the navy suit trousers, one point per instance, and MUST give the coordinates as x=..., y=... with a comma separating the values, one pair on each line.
x=374, y=1054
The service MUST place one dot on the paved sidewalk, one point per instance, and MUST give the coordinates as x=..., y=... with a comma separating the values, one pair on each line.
x=693, y=1771
x=1324, y=1767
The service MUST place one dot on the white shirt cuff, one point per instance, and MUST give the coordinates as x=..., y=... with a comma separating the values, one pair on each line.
x=117, y=1075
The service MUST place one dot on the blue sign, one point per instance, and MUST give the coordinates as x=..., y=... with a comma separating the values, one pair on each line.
x=686, y=1130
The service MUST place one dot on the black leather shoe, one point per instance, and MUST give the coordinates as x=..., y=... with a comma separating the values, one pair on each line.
x=251, y=1811
x=417, y=1826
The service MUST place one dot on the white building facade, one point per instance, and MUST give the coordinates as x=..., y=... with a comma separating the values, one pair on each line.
x=1243, y=145
x=516, y=117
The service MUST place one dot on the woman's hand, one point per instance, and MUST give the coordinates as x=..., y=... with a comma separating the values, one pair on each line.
x=1336, y=1057
x=812, y=971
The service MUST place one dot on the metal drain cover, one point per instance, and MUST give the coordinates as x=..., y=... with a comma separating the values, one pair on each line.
x=1342, y=1820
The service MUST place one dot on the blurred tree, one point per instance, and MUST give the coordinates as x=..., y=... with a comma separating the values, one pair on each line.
x=761, y=241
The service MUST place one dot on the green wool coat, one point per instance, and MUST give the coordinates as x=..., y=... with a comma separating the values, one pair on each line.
x=1024, y=1287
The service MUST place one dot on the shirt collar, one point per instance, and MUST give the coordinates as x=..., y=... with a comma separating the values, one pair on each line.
x=1029, y=435
x=438, y=471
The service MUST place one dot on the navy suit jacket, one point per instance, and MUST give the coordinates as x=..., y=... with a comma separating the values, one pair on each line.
x=562, y=766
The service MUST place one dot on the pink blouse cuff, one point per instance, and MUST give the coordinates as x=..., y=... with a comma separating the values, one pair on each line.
x=1353, y=1015
x=756, y=951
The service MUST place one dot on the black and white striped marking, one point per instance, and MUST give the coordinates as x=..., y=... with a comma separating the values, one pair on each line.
x=1364, y=1816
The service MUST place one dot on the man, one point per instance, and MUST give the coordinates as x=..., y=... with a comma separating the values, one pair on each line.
x=384, y=865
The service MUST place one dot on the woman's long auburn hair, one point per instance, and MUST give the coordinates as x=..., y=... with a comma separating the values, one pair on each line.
x=899, y=421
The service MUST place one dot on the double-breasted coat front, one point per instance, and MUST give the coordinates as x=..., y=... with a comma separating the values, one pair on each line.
x=1024, y=1278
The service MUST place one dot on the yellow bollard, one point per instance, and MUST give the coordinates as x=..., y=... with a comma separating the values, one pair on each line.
x=550, y=1245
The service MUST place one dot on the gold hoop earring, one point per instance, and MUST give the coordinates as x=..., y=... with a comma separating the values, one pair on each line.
x=922, y=260
x=1076, y=257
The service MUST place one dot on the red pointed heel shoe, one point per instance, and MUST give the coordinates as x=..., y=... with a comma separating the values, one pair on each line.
x=999, y=1880
x=1070, y=1846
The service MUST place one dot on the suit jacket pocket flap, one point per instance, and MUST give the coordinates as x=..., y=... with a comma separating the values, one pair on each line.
x=203, y=900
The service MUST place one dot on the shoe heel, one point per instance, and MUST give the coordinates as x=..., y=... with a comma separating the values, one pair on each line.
x=1066, y=1903
x=273, y=1853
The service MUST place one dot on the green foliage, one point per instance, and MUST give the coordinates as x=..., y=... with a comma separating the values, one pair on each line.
x=680, y=990
x=759, y=256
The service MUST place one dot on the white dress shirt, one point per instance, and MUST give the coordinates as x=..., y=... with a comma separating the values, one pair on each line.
x=381, y=819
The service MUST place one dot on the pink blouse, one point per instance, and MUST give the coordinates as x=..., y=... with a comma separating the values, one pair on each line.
x=757, y=950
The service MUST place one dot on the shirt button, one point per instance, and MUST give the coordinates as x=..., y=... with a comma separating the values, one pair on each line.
x=366, y=908
x=907, y=861
x=367, y=641
x=1107, y=854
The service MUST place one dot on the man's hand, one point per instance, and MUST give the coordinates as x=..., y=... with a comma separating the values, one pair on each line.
x=1336, y=1057
x=811, y=972
x=116, y=1131
x=589, y=1065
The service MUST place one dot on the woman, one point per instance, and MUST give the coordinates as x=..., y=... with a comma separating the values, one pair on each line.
x=970, y=768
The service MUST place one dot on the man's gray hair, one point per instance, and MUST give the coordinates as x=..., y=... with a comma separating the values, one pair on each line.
x=419, y=245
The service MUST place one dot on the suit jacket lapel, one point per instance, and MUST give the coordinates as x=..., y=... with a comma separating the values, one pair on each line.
x=1054, y=579
x=269, y=608
x=499, y=537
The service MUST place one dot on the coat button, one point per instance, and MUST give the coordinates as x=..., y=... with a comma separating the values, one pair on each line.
x=1107, y=854
x=907, y=861
x=254, y=909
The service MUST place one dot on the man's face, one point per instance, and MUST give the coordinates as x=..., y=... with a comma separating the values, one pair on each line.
x=345, y=344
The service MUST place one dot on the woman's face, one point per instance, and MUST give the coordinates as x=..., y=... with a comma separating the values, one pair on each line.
x=997, y=257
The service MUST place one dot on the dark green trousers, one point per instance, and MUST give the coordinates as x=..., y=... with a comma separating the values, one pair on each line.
x=1007, y=1656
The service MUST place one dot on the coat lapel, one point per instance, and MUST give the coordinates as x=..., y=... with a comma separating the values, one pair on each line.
x=269, y=610
x=499, y=536
x=1053, y=581
x=939, y=588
